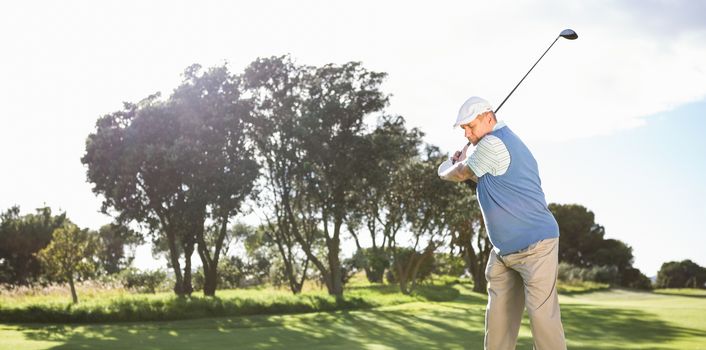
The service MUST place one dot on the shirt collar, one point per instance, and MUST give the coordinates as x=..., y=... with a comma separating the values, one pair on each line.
x=498, y=125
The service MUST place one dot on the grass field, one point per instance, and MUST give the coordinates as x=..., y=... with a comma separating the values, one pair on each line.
x=613, y=319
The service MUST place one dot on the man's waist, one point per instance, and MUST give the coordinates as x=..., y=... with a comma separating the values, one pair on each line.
x=505, y=246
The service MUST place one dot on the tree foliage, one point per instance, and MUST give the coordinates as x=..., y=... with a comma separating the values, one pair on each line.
x=582, y=244
x=378, y=208
x=21, y=236
x=681, y=274
x=175, y=164
x=427, y=203
x=308, y=129
x=114, y=239
x=70, y=256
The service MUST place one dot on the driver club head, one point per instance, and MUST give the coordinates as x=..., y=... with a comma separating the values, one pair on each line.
x=568, y=34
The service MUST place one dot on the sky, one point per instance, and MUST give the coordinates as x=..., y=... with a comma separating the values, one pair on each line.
x=615, y=118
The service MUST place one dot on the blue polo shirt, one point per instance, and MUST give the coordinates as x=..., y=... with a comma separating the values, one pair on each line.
x=510, y=192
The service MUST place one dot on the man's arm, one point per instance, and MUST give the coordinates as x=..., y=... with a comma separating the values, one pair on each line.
x=457, y=172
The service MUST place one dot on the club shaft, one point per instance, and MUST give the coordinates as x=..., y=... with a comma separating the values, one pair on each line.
x=523, y=78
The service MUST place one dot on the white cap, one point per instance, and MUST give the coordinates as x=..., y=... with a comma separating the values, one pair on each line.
x=471, y=109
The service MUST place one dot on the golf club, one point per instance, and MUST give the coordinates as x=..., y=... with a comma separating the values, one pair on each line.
x=566, y=34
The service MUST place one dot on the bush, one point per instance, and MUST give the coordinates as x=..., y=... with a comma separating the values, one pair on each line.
x=601, y=274
x=447, y=264
x=403, y=259
x=374, y=261
x=634, y=278
x=230, y=275
x=145, y=281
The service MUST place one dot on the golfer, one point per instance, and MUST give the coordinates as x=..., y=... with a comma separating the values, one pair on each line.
x=522, y=267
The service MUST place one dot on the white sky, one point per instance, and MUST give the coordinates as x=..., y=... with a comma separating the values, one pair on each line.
x=63, y=64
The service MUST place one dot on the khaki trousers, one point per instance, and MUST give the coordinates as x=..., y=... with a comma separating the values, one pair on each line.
x=526, y=279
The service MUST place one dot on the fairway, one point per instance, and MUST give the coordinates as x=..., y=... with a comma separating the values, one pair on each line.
x=615, y=319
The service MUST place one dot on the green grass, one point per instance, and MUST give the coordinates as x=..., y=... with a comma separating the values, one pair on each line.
x=581, y=287
x=102, y=306
x=687, y=292
x=613, y=319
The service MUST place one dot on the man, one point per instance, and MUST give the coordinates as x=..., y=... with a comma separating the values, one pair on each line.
x=522, y=267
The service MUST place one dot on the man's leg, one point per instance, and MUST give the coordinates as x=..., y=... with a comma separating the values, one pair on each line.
x=506, y=301
x=538, y=267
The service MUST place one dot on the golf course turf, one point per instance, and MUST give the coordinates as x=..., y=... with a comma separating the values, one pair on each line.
x=612, y=319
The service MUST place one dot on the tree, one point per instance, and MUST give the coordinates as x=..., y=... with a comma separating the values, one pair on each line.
x=277, y=89
x=377, y=208
x=582, y=244
x=468, y=233
x=218, y=156
x=114, y=239
x=20, y=238
x=581, y=236
x=309, y=124
x=427, y=203
x=339, y=99
x=177, y=166
x=70, y=255
x=133, y=162
x=681, y=274
x=408, y=261
x=290, y=264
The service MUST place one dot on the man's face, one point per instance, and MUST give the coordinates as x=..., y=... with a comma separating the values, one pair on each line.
x=478, y=127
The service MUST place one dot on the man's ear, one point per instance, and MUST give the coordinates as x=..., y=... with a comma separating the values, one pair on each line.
x=489, y=117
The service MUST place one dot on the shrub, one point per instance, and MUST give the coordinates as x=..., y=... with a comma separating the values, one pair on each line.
x=144, y=281
x=634, y=278
x=374, y=261
x=404, y=256
x=448, y=264
x=601, y=274
x=230, y=275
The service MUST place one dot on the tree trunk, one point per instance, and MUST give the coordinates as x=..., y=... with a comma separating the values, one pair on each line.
x=402, y=279
x=334, y=262
x=74, y=297
x=480, y=285
x=284, y=247
x=297, y=286
x=210, y=280
x=187, y=288
x=174, y=260
x=210, y=264
x=428, y=252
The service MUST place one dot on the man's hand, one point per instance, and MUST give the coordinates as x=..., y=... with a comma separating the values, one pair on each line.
x=459, y=155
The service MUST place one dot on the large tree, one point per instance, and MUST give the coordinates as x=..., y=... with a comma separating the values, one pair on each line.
x=377, y=209
x=309, y=124
x=340, y=97
x=278, y=91
x=681, y=274
x=132, y=160
x=177, y=166
x=428, y=209
x=21, y=236
x=583, y=244
x=217, y=155
x=581, y=236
